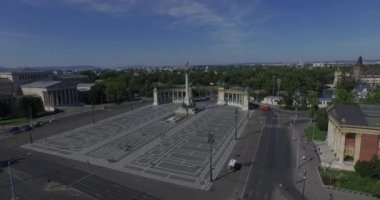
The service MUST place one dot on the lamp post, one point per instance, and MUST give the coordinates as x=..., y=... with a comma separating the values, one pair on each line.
x=236, y=126
x=295, y=118
x=30, y=128
x=312, y=136
x=11, y=178
x=211, y=140
x=93, y=115
x=303, y=184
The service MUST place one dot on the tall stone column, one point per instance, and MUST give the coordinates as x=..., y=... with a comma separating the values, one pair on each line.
x=221, y=96
x=329, y=134
x=56, y=98
x=342, y=145
x=245, y=101
x=187, y=100
x=155, y=97
x=336, y=139
x=358, y=141
x=76, y=96
x=66, y=96
x=70, y=97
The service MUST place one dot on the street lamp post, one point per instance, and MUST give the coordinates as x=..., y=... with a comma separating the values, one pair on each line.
x=93, y=114
x=312, y=136
x=211, y=140
x=30, y=128
x=236, y=126
x=295, y=118
x=11, y=178
x=303, y=184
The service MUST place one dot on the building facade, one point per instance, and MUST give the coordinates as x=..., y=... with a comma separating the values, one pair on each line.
x=353, y=134
x=20, y=78
x=53, y=93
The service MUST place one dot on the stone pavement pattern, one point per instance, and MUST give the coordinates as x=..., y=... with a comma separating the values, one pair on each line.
x=143, y=143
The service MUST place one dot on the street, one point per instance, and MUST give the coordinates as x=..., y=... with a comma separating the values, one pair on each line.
x=272, y=168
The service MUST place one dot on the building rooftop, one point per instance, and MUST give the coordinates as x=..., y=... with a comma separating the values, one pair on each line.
x=41, y=84
x=49, y=84
x=356, y=114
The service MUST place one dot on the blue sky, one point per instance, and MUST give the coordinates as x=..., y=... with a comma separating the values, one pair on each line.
x=157, y=32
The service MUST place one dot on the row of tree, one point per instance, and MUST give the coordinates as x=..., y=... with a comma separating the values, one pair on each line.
x=117, y=86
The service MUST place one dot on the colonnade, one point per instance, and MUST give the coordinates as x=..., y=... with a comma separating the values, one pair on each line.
x=169, y=95
x=60, y=97
x=337, y=140
x=233, y=97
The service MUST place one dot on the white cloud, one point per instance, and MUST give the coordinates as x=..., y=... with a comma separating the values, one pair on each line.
x=228, y=26
x=14, y=34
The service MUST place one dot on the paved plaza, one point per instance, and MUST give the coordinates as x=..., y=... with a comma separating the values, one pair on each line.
x=145, y=143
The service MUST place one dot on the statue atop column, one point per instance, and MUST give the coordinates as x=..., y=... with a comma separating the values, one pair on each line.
x=187, y=100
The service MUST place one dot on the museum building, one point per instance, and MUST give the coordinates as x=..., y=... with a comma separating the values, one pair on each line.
x=353, y=134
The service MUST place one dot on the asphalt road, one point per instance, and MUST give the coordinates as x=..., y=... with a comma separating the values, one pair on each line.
x=273, y=163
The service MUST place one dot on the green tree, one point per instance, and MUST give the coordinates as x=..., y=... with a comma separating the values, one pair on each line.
x=115, y=89
x=346, y=83
x=4, y=110
x=312, y=99
x=97, y=94
x=29, y=103
x=369, y=169
x=322, y=119
x=373, y=97
x=287, y=100
x=344, y=97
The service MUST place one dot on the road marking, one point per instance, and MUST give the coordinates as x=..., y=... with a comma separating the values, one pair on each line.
x=253, y=158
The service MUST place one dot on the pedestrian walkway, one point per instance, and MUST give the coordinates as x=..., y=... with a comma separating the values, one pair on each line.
x=313, y=188
x=143, y=142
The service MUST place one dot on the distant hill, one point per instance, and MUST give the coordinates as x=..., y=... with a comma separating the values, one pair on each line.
x=3, y=69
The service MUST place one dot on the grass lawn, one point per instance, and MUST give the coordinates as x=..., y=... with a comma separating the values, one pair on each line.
x=351, y=181
x=319, y=135
x=13, y=121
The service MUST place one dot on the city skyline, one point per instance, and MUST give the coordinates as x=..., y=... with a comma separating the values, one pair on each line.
x=127, y=32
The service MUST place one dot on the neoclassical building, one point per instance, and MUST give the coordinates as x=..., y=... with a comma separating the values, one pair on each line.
x=52, y=93
x=353, y=134
x=234, y=97
x=24, y=77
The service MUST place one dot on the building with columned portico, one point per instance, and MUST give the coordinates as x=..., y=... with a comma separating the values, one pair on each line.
x=353, y=134
x=53, y=93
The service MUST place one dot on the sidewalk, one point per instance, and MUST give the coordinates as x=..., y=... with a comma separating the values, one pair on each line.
x=308, y=167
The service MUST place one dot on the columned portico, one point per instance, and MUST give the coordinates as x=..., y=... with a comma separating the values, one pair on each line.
x=233, y=97
x=353, y=134
x=52, y=93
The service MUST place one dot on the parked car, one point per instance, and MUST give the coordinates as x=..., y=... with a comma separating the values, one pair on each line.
x=37, y=124
x=26, y=128
x=15, y=130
